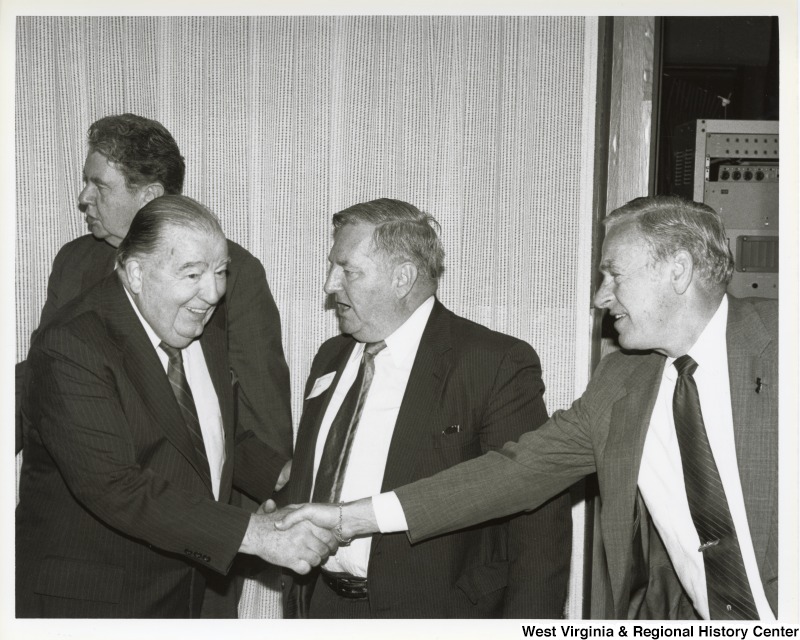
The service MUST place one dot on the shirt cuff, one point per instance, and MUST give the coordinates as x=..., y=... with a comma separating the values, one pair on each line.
x=389, y=513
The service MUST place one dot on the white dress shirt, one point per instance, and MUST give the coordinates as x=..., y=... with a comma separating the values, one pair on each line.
x=370, y=447
x=661, y=474
x=205, y=398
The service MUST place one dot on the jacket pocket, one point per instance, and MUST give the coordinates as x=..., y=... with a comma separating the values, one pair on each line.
x=482, y=580
x=453, y=448
x=80, y=580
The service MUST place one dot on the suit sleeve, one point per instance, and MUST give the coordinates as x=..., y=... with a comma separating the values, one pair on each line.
x=50, y=310
x=256, y=354
x=60, y=289
x=80, y=419
x=257, y=466
x=520, y=476
x=539, y=542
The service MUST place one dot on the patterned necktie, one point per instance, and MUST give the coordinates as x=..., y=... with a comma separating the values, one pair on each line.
x=183, y=394
x=335, y=454
x=729, y=595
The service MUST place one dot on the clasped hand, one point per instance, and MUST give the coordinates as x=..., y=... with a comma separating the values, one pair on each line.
x=303, y=536
x=347, y=521
x=298, y=546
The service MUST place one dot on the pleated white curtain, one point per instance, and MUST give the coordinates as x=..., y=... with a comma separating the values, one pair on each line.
x=485, y=122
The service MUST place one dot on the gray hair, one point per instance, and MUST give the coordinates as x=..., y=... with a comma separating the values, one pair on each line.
x=146, y=232
x=402, y=232
x=670, y=223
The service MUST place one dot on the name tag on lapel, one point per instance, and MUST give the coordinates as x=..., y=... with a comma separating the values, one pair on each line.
x=322, y=383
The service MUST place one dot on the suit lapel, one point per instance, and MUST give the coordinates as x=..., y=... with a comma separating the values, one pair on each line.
x=619, y=472
x=423, y=395
x=756, y=442
x=298, y=598
x=755, y=430
x=143, y=367
x=313, y=412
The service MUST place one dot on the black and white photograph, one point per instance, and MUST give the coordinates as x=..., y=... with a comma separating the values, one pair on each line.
x=477, y=317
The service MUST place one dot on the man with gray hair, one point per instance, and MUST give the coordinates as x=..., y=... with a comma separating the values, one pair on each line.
x=681, y=428
x=131, y=448
x=408, y=390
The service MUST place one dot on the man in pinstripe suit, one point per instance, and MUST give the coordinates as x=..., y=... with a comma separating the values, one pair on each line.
x=127, y=472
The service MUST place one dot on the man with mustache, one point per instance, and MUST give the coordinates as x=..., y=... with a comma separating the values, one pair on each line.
x=408, y=390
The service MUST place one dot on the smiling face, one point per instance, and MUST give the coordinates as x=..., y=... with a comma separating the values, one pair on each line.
x=362, y=284
x=107, y=202
x=636, y=290
x=178, y=287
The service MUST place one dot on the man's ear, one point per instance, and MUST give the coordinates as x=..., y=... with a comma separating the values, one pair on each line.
x=404, y=276
x=681, y=271
x=151, y=192
x=133, y=274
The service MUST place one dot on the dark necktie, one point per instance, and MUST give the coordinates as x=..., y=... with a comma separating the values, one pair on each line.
x=335, y=454
x=183, y=394
x=729, y=594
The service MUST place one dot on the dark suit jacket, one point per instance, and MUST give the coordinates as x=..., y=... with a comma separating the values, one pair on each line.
x=254, y=332
x=490, y=384
x=604, y=431
x=114, y=519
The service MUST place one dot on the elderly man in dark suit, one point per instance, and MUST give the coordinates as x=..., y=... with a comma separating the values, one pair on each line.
x=408, y=390
x=681, y=428
x=131, y=446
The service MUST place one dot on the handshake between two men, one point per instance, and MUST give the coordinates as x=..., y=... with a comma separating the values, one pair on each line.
x=300, y=537
x=140, y=373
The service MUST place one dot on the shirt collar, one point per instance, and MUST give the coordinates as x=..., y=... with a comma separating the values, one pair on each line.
x=705, y=351
x=403, y=343
x=148, y=329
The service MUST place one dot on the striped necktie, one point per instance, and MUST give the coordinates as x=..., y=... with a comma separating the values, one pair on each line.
x=183, y=394
x=729, y=594
x=336, y=453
